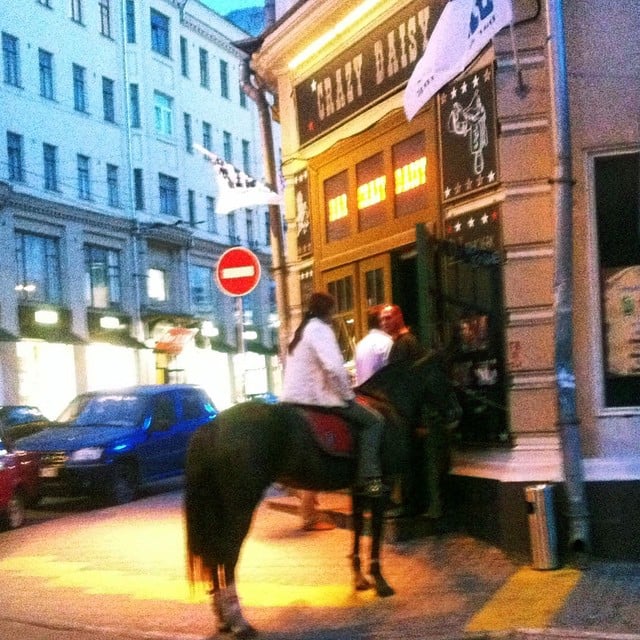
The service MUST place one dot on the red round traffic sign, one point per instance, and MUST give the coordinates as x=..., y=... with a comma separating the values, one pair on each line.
x=238, y=271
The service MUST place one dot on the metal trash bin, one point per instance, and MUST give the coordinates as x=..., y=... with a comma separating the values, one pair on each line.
x=542, y=526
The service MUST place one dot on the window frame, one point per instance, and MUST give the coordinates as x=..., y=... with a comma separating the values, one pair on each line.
x=160, y=33
x=15, y=157
x=11, y=60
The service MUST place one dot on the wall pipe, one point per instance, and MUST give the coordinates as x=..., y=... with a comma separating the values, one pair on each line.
x=562, y=184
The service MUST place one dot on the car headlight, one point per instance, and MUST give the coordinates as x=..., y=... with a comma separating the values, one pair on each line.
x=87, y=454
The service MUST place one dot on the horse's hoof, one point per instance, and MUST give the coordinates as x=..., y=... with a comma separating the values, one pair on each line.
x=384, y=590
x=362, y=584
x=245, y=632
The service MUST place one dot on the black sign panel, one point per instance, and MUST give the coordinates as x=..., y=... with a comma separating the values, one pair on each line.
x=303, y=218
x=468, y=135
x=373, y=68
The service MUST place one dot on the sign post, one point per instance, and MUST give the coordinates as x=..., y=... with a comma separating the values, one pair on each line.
x=238, y=273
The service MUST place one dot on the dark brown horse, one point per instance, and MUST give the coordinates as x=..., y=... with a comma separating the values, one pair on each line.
x=234, y=459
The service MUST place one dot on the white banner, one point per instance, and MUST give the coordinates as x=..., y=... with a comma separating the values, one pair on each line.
x=237, y=190
x=465, y=27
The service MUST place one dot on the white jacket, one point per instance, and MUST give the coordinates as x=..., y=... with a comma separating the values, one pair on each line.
x=314, y=373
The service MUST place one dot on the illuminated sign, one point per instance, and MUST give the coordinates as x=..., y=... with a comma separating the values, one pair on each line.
x=338, y=207
x=372, y=192
x=365, y=73
x=411, y=175
x=45, y=316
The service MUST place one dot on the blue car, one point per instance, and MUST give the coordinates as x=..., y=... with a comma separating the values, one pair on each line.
x=108, y=444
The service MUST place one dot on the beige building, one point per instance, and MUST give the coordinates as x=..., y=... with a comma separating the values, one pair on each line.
x=503, y=219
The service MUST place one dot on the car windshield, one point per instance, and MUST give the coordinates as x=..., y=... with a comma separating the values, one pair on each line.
x=118, y=410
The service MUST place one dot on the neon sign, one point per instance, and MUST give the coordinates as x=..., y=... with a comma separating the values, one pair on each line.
x=338, y=207
x=372, y=192
x=411, y=175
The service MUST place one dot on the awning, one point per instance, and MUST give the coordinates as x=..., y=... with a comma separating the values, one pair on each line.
x=52, y=334
x=5, y=336
x=118, y=339
x=262, y=349
x=217, y=344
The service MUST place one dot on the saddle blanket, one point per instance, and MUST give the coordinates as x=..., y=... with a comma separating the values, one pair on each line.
x=330, y=431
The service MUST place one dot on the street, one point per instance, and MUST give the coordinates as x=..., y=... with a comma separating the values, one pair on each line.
x=77, y=573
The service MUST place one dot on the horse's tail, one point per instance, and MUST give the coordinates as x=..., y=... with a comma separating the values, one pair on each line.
x=202, y=507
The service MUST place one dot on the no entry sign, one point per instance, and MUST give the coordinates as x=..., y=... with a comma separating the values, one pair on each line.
x=238, y=271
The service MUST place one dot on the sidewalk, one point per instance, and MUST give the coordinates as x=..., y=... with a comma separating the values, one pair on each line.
x=504, y=597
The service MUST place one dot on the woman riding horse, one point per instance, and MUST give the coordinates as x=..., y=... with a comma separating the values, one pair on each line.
x=234, y=459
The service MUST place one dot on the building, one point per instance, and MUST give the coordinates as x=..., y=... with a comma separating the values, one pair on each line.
x=110, y=231
x=503, y=219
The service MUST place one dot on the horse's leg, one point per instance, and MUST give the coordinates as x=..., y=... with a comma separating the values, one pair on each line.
x=357, y=508
x=383, y=589
x=217, y=579
x=227, y=606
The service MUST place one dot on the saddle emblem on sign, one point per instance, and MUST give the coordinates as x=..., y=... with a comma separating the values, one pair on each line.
x=330, y=431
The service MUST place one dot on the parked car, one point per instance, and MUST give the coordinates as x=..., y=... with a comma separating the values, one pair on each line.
x=108, y=444
x=18, y=484
x=20, y=420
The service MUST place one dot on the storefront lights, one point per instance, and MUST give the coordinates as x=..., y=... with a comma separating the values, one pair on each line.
x=46, y=316
x=208, y=329
x=110, y=322
x=350, y=19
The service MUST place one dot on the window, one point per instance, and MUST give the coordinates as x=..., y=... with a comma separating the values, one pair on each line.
x=246, y=157
x=336, y=199
x=343, y=321
x=113, y=186
x=11, y=59
x=108, y=101
x=243, y=98
x=76, y=11
x=79, y=89
x=184, y=57
x=38, y=267
x=227, y=146
x=163, y=108
x=168, y=195
x=232, y=231
x=50, y=165
x=188, y=133
x=105, y=18
x=250, y=232
x=131, y=21
x=102, y=277
x=212, y=220
x=45, y=63
x=156, y=285
x=138, y=190
x=15, y=156
x=160, y=33
x=134, y=106
x=224, y=79
x=374, y=285
x=191, y=205
x=204, y=69
x=617, y=208
x=84, y=178
x=207, y=141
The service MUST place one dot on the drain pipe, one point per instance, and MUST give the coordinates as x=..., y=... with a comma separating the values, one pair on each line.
x=279, y=264
x=562, y=184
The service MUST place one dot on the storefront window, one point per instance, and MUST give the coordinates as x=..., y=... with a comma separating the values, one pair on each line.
x=337, y=206
x=372, y=192
x=410, y=175
x=201, y=284
x=344, y=318
x=617, y=200
x=374, y=283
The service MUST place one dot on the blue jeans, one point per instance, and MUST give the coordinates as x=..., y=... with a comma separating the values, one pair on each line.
x=370, y=426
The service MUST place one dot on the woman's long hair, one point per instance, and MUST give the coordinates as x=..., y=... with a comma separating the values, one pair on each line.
x=321, y=306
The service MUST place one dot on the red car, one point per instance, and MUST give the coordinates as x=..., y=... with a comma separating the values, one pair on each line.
x=18, y=484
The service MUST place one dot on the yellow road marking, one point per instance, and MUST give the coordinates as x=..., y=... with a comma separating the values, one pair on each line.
x=529, y=599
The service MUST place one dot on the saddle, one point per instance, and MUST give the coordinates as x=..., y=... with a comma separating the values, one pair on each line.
x=331, y=432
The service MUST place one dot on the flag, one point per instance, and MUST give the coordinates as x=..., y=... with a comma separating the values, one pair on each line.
x=465, y=27
x=237, y=190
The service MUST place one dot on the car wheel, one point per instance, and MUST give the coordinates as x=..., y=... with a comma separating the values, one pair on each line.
x=16, y=511
x=124, y=484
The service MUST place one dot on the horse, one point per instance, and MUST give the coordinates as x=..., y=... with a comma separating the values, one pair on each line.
x=249, y=446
